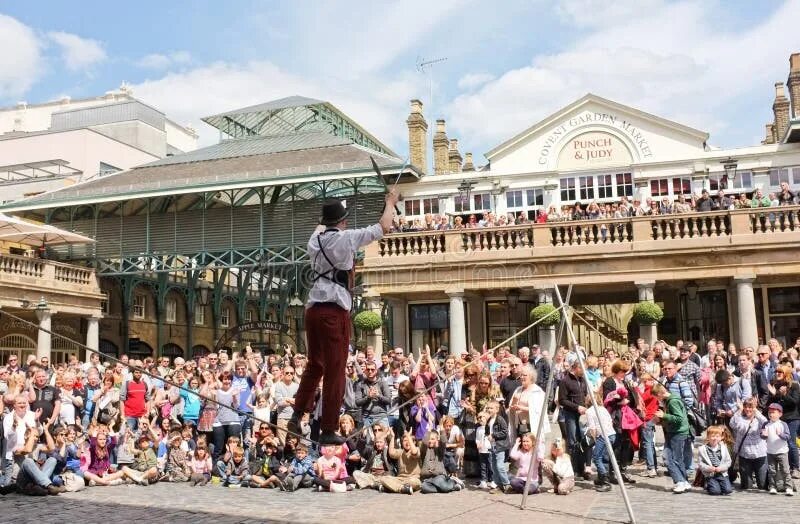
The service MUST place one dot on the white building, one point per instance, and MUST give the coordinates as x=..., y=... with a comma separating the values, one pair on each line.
x=49, y=145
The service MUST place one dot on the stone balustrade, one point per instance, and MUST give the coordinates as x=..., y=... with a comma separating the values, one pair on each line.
x=586, y=237
x=25, y=272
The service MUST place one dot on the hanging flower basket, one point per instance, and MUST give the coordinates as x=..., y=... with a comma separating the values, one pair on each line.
x=648, y=313
x=367, y=321
x=543, y=310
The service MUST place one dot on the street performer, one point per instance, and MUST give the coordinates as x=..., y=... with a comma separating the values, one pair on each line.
x=332, y=249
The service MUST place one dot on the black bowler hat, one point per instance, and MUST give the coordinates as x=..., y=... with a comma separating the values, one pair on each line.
x=333, y=212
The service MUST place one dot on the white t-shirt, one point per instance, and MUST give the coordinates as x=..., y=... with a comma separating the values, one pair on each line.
x=775, y=444
x=604, y=422
x=15, y=437
x=455, y=435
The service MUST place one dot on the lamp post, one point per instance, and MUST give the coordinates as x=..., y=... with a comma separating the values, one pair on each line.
x=297, y=309
x=691, y=290
x=44, y=339
x=730, y=165
x=202, y=290
x=512, y=299
x=464, y=191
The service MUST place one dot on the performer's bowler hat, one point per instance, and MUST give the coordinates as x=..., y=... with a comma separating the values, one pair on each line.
x=333, y=212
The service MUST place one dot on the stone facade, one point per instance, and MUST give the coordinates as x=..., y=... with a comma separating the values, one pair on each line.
x=441, y=159
x=417, y=136
x=780, y=108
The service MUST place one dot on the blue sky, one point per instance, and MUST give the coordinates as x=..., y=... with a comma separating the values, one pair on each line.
x=707, y=64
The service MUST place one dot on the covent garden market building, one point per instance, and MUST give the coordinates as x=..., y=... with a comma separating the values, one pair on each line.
x=193, y=245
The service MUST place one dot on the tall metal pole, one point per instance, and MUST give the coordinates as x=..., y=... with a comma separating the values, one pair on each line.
x=543, y=415
x=609, y=447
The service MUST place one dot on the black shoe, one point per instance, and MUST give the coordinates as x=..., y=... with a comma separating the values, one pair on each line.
x=627, y=479
x=408, y=490
x=35, y=490
x=329, y=438
x=293, y=426
x=587, y=475
x=602, y=487
x=613, y=479
x=10, y=488
x=52, y=489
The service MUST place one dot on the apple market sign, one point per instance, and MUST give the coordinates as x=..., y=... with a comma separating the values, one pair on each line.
x=599, y=151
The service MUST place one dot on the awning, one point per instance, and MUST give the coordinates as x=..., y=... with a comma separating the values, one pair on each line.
x=21, y=232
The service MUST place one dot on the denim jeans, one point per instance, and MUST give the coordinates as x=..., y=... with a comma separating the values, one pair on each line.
x=438, y=484
x=246, y=422
x=600, y=455
x=718, y=484
x=133, y=423
x=750, y=466
x=31, y=473
x=649, y=444
x=7, y=472
x=499, y=469
x=485, y=461
x=676, y=464
x=572, y=425
x=794, y=459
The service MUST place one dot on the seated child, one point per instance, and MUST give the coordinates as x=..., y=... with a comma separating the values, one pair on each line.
x=331, y=470
x=376, y=464
x=300, y=472
x=522, y=456
x=484, y=452
x=454, y=438
x=144, y=468
x=269, y=475
x=558, y=469
x=176, y=465
x=714, y=461
x=433, y=474
x=201, y=467
x=235, y=472
x=408, y=468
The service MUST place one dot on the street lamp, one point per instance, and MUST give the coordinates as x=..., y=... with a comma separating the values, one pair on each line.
x=513, y=298
x=464, y=190
x=730, y=165
x=41, y=309
x=691, y=289
x=296, y=306
x=202, y=290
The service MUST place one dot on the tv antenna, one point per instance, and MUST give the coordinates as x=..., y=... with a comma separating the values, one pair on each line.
x=425, y=67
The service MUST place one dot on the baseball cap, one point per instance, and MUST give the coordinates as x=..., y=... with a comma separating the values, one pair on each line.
x=776, y=407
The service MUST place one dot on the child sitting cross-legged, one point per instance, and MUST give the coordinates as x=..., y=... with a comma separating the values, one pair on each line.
x=300, y=472
x=144, y=468
x=201, y=467
x=177, y=467
x=331, y=473
x=558, y=469
x=433, y=474
x=269, y=474
x=522, y=456
x=714, y=463
x=235, y=472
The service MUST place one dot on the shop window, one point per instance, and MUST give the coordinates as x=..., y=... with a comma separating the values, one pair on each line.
x=139, y=306
x=568, y=193
x=624, y=184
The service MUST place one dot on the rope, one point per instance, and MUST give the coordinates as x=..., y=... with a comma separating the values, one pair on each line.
x=236, y=409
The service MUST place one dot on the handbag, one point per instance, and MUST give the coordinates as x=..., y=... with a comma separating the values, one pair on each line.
x=697, y=419
x=735, y=462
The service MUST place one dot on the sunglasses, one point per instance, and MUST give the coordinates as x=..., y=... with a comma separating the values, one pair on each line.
x=289, y=373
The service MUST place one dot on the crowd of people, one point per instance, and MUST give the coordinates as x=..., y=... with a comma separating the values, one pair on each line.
x=624, y=208
x=424, y=424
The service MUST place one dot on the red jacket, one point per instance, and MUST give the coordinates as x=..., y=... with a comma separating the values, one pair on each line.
x=650, y=403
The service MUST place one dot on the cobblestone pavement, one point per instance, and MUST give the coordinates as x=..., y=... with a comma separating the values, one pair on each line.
x=651, y=500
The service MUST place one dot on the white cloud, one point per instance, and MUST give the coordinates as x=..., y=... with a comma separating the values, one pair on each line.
x=21, y=60
x=670, y=59
x=164, y=61
x=473, y=80
x=78, y=53
x=187, y=96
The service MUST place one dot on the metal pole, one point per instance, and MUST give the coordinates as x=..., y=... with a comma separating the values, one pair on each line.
x=543, y=415
x=609, y=449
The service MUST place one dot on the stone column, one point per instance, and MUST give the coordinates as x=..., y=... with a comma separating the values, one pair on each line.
x=45, y=340
x=746, y=311
x=375, y=339
x=547, y=334
x=399, y=331
x=458, y=331
x=649, y=332
x=93, y=334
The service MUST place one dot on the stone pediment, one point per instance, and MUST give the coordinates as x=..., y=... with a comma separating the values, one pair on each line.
x=593, y=133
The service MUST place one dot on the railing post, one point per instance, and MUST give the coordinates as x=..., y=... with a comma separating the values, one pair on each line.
x=453, y=241
x=542, y=237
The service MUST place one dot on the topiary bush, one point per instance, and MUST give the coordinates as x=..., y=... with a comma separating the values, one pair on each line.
x=648, y=313
x=367, y=321
x=543, y=310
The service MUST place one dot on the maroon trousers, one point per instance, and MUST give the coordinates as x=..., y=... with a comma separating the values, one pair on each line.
x=328, y=336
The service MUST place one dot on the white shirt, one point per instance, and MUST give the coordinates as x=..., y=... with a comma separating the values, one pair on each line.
x=604, y=422
x=340, y=247
x=15, y=437
x=775, y=444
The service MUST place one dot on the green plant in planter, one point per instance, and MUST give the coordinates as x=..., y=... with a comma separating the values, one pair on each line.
x=367, y=321
x=543, y=310
x=648, y=313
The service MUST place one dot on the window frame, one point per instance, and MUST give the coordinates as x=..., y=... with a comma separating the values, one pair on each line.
x=199, y=315
x=139, y=308
x=171, y=310
x=566, y=186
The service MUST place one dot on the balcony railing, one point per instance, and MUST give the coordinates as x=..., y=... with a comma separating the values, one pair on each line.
x=26, y=272
x=741, y=227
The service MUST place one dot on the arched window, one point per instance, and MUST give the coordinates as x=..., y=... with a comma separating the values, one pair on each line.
x=200, y=351
x=171, y=350
x=107, y=348
x=18, y=345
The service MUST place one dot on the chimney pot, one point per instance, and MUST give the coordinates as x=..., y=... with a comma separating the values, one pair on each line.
x=780, y=108
x=793, y=83
x=441, y=161
x=454, y=157
x=417, y=136
x=794, y=63
x=468, y=164
x=780, y=91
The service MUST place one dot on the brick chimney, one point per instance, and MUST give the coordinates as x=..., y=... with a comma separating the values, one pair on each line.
x=794, y=83
x=441, y=161
x=417, y=136
x=769, y=137
x=468, y=165
x=454, y=157
x=780, y=108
